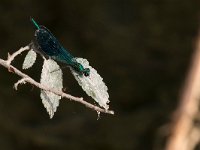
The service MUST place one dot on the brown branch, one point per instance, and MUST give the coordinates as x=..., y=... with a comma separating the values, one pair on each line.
x=28, y=79
x=182, y=124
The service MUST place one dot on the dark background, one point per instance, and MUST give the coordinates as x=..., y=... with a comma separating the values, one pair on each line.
x=142, y=49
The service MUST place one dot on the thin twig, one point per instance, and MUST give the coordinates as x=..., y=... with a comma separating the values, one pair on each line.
x=28, y=79
x=12, y=57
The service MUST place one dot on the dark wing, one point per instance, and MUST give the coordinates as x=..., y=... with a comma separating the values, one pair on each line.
x=47, y=42
x=52, y=47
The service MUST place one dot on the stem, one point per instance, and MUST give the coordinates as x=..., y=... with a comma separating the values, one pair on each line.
x=28, y=79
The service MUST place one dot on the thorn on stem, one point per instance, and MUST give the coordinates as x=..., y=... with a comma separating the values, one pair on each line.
x=11, y=69
x=8, y=56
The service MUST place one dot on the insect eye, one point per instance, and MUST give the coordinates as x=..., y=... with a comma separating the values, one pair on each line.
x=86, y=72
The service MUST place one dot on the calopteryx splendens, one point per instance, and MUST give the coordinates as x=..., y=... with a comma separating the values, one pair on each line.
x=49, y=45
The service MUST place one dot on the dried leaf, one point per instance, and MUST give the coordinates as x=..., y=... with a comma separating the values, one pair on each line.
x=93, y=84
x=29, y=59
x=51, y=76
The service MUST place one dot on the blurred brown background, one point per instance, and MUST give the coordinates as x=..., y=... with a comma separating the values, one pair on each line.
x=142, y=49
